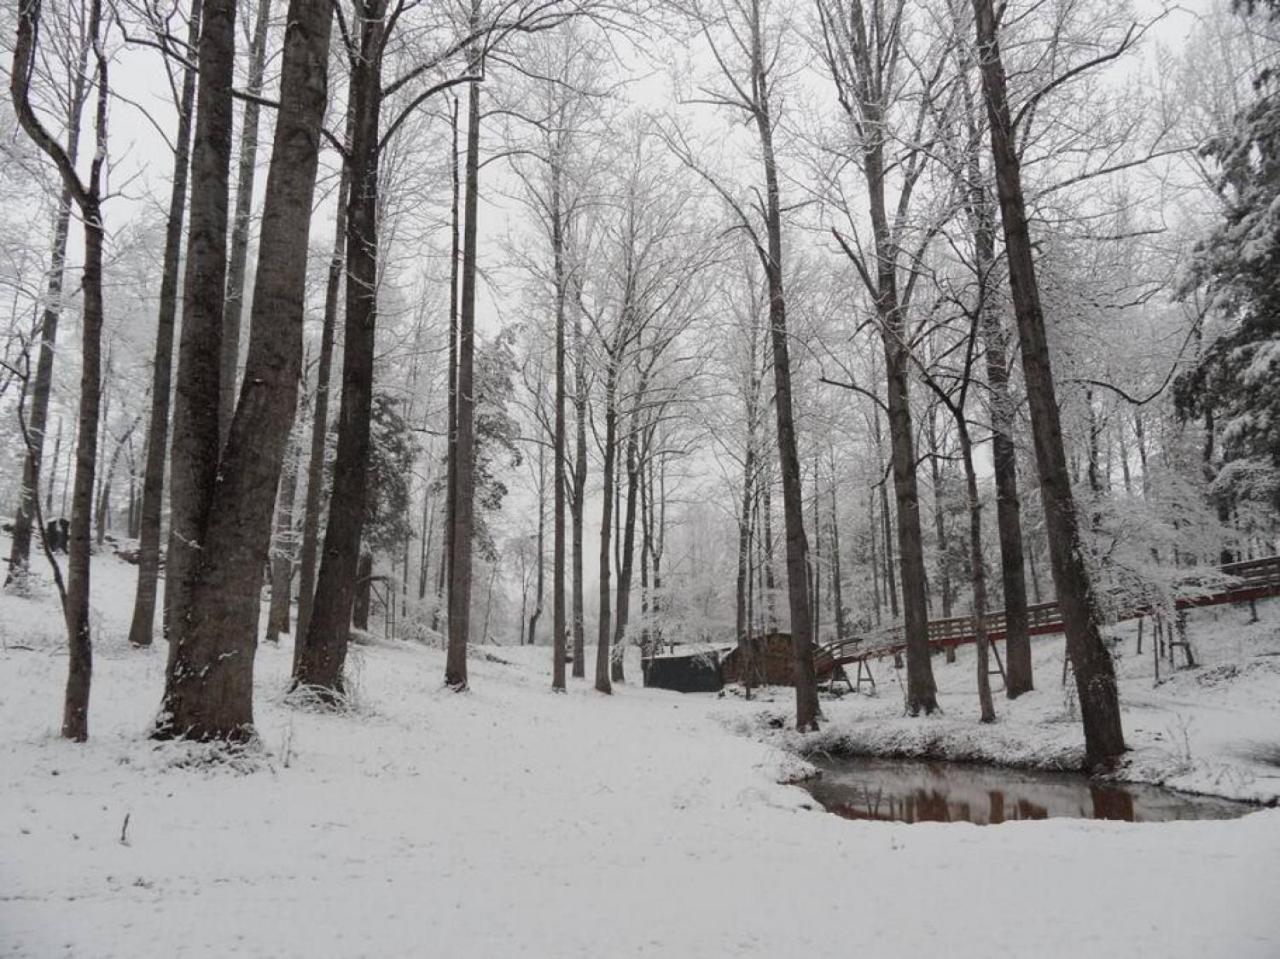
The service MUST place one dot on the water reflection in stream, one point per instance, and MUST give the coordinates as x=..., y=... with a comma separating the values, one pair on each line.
x=923, y=791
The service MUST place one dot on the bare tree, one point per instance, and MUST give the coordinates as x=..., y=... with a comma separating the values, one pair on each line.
x=77, y=50
x=1094, y=672
x=88, y=196
x=738, y=32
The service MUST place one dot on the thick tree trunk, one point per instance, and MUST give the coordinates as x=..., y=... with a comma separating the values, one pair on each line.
x=144, y=603
x=209, y=689
x=233, y=304
x=325, y=647
x=320, y=411
x=195, y=446
x=455, y=671
x=1094, y=673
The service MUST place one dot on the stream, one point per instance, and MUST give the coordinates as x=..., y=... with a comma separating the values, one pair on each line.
x=912, y=790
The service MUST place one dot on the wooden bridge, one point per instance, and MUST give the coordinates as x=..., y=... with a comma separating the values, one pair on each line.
x=1233, y=583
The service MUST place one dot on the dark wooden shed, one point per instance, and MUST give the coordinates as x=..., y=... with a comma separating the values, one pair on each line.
x=685, y=670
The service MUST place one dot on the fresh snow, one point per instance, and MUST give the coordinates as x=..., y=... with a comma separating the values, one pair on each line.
x=510, y=821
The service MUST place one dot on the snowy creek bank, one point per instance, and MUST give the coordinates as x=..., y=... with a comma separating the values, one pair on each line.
x=1213, y=730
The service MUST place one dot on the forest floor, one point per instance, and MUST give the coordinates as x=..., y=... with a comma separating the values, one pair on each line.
x=509, y=821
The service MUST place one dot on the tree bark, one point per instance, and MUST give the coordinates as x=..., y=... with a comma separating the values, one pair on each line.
x=194, y=450
x=837, y=590
x=233, y=303
x=142, y=626
x=802, y=639
x=455, y=672
x=603, y=683
x=579, y=496
x=1004, y=459
x=542, y=531
x=320, y=666
x=558, y=452
x=451, y=465
x=623, y=602
x=320, y=412
x=209, y=689
x=742, y=610
x=282, y=550
x=1094, y=673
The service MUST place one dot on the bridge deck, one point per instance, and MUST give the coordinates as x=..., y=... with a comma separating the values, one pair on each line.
x=1234, y=583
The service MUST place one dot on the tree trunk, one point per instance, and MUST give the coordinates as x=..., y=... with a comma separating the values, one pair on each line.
x=542, y=532
x=451, y=430
x=363, y=596
x=325, y=649
x=282, y=551
x=233, y=304
x=320, y=412
x=558, y=446
x=104, y=499
x=1094, y=673
x=618, y=671
x=921, y=689
x=939, y=517
x=209, y=689
x=144, y=603
x=978, y=574
x=837, y=590
x=875, y=562
x=195, y=447
x=455, y=673
x=802, y=639
x=603, y=683
x=579, y=496
x=743, y=615
x=75, y=714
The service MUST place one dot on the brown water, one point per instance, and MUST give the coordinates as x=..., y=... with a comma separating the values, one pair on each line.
x=899, y=790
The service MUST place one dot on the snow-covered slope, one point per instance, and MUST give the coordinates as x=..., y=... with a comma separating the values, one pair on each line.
x=509, y=821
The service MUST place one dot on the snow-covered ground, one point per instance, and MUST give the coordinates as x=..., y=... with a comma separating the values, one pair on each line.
x=509, y=821
x=1214, y=729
